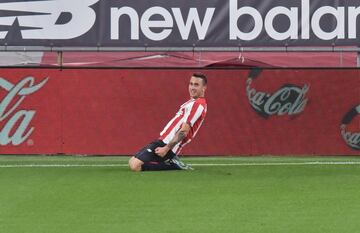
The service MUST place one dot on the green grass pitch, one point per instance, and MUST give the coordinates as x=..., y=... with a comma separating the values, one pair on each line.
x=67, y=194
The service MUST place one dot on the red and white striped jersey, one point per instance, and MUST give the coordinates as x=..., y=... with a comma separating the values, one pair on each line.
x=192, y=112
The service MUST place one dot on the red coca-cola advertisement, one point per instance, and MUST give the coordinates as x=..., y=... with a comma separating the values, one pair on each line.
x=118, y=111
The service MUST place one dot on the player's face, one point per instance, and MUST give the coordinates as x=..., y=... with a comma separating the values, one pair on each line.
x=196, y=87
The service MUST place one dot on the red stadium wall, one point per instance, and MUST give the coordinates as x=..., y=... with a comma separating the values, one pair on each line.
x=116, y=112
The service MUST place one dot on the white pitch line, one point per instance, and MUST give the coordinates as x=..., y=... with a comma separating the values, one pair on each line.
x=194, y=164
x=59, y=165
x=278, y=164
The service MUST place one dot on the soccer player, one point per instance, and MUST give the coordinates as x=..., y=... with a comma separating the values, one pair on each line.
x=162, y=153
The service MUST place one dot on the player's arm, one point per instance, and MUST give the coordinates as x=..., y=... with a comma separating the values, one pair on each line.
x=179, y=136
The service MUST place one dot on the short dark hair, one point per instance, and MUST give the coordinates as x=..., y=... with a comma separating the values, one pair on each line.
x=201, y=76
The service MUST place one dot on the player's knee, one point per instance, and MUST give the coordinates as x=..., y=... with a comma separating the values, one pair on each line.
x=135, y=164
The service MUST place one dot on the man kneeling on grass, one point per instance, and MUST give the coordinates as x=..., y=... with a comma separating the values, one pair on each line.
x=162, y=153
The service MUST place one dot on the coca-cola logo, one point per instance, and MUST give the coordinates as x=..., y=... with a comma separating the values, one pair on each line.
x=352, y=139
x=287, y=100
x=14, y=121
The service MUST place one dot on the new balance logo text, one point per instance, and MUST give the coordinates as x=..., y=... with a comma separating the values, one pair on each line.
x=41, y=19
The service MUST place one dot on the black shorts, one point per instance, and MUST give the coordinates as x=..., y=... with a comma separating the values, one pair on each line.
x=147, y=154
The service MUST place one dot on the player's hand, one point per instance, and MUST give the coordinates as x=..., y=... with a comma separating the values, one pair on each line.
x=162, y=151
